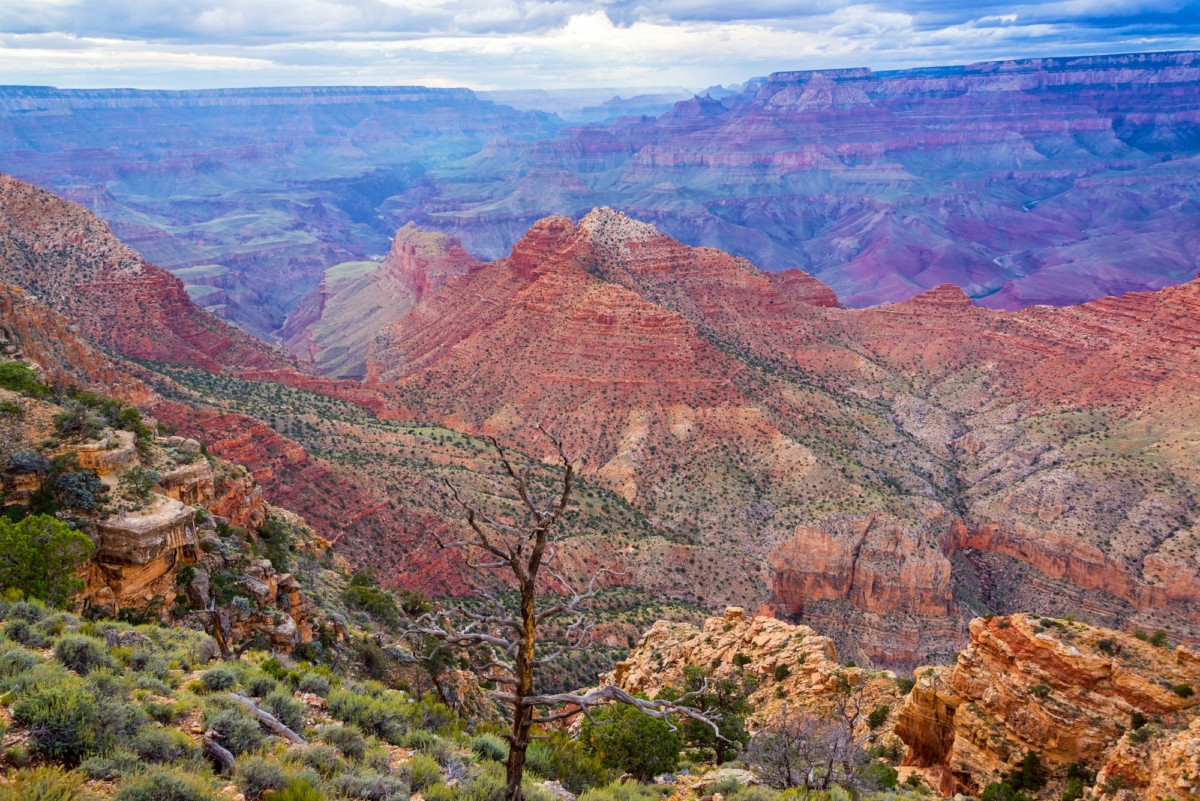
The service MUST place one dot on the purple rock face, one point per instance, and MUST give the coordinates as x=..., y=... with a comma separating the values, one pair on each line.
x=1033, y=182
x=1048, y=181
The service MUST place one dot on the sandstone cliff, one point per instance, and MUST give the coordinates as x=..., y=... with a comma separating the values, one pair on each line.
x=1069, y=692
x=792, y=666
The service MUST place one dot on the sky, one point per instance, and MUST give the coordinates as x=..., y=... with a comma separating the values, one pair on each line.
x=520, y=44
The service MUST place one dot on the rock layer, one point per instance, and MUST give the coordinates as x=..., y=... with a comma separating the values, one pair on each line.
x=1063, y=690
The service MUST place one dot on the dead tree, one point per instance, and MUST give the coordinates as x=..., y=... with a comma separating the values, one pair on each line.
x=500, y=644
x=218, y=624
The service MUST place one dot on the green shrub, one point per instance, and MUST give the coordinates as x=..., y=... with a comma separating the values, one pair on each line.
x=385, y=719
x=324, y=759
x=905, y=684
x=63, y=722
x=569, y=763
x=1158, y=639
x=1140, y=735
x=112, y=765
x=348, y=739
x=287, y=710
x=364, y=593
x=781, y=672
x=299, y=790
x=880, y=776
x=1030, y=776
x=878, y=716
x=82, y=654
x=1002, y=791
x=78, y=422
x=47, y=783
x=723, y=786
x=81, y=489
x=485, y=785
x=441, y=750
x=41, y=556
x=754, y=793
x=439, y=792
x=621, y=791
x=14, y=661
x=137, y=484
x=419, y=739
x=218, y=678
x=1183, y=690
x=163, y=745
x=31, y=610
x=489, y=746
x=19, y=377
x=19, y=631
x=58, y=623
x=313, y=683
x=255, y=775
x=17, y=755
x=162, y=712
x=372, y=787
x=631, y=741
x=261, y=686
x=422, y=771
x=1073, y=791
x=166, y=784
x=238, y=732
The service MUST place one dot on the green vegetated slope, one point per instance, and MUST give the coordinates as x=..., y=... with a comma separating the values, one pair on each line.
x=409, y=464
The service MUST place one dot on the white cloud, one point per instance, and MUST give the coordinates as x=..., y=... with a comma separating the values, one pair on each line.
x=550, y=43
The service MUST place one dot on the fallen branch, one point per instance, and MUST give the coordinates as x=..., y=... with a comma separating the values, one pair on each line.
x=269, y=721
x=218, y=754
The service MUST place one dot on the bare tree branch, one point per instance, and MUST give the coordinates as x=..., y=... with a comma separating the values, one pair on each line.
x=508, y=640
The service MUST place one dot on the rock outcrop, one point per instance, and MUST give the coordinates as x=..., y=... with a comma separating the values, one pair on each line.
x=333, y=327
x=793, y=666
x=1066, y=691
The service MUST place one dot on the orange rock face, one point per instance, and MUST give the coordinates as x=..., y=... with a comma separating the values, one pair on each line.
x=1063, y=690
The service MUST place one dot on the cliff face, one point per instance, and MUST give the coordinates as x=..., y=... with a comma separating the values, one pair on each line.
x=333, y=327
x=1063, y=690
x=812, y=676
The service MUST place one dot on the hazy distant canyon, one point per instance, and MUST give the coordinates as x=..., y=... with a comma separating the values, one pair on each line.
x=1034, y=182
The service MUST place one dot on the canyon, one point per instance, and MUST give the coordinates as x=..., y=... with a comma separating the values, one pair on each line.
x=1025, y=182
x=880, y=475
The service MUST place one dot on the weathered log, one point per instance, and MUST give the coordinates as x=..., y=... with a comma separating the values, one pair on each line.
x=218, y=754
x=268, y=721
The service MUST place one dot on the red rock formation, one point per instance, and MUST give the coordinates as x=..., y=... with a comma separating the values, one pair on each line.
x=688, y=378
x=67, y=258
x=46, y=340
x=333, y=327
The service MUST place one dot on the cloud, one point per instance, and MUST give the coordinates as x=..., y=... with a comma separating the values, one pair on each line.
x=548, y=43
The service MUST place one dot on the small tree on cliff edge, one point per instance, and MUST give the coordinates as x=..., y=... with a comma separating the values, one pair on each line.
x=500, y=644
